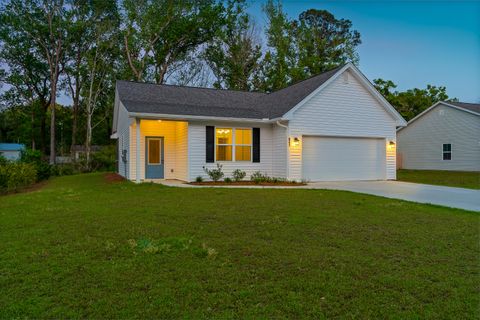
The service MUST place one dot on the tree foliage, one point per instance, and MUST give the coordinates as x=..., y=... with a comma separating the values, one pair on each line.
x=414, y=101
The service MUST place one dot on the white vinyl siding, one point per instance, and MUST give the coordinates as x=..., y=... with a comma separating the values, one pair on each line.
x=343, y=109
x=420, y=145
x=197, y=150
x=280, y=151
x=123, y=131
x=175, y=155
x=337, y=159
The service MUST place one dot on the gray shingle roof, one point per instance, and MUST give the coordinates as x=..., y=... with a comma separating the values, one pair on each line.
x=181, y=100
x=475, y=107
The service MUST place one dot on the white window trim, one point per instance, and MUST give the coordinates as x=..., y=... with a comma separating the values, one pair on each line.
x=451, y=152
x=233, y=145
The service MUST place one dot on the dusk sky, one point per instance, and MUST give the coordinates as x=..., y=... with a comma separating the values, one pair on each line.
x=412, y=43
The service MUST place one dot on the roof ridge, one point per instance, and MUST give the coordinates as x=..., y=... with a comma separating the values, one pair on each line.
x=192, y=87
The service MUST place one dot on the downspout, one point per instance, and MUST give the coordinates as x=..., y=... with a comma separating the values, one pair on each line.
x=287, y=174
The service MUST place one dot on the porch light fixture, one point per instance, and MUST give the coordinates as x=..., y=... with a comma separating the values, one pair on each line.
x=159, y=120
x=391, y=143
x=294, y=142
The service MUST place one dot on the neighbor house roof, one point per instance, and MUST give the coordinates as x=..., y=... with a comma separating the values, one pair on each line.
x=474, y=107
x=182, y=100
x=11, y=147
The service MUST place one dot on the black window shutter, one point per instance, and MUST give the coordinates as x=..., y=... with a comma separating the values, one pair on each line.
x=256, y=145
x=210, y=145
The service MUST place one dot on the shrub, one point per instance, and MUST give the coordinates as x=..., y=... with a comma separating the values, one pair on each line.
x=227, y=180
x=44, y=170
x=238, y=175
x=258, y=177
x=3, y=160
x=199, y=179
x=16, y=175
x=215, y=174
x=104, y=159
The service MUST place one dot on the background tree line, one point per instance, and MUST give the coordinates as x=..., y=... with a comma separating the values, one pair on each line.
x=78, y=48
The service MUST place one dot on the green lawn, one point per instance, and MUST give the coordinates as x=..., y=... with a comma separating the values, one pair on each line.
x=460, y=179
x=84, y=248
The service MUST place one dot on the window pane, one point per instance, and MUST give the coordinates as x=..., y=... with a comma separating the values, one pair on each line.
x=224, y=136
x=154, y=151
x=224, y=153
x=243, y=153
x=243, y=136
x=447, y=147
x=447, y=156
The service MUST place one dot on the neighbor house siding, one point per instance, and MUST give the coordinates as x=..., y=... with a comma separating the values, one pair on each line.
x=167, y=130
x=343, y=108
x=197, y=152
x=420, y=144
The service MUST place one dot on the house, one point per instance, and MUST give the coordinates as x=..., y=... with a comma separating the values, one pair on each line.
x=446, y=136
x=333, y=126
x=11, y=151
x=79, y=151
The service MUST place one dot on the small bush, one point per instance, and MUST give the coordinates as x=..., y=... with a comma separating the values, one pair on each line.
x=258, y=177
x=215, y=174
x=104, y=159
x=3, y=160
x=238, y=175
x=199, y=179
x=16, y=175
x=227, y=180
x=44, y=170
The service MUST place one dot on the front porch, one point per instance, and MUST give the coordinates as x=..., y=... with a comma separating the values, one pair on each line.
x=162, y=151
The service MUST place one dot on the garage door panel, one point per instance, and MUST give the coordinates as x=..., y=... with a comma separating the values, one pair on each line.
x=332, y=158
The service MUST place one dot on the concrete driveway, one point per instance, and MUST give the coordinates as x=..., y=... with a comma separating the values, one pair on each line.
x=467, y=199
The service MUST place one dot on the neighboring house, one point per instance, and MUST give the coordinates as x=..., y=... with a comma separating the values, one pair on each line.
x=333, y=126
x=446, y=136
x=79, y=151
x=11, y=151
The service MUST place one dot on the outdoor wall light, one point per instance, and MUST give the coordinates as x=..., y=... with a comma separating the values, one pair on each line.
x=294, y=142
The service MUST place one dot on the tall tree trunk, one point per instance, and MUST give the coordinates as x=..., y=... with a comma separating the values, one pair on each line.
x=52, y=121
x=33, y=127
x=88, y=141
x=74, y=126
x=43, y=130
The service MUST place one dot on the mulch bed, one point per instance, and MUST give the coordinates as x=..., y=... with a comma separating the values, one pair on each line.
x=248, y=183
x=113, y=177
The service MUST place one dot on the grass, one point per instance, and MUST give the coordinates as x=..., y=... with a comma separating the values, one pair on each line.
x=460, y=179
x=85, y=248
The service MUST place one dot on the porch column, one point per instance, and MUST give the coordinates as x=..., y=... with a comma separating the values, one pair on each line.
x=137, y=136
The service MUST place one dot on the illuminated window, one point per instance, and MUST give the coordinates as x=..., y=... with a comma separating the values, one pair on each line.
x=243, y=144
x=224, y=144
x=232, y=143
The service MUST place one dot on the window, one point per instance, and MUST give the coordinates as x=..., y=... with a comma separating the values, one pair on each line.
x=224, y=144
x=243, y=144
x=447, y=151
x=227, y=148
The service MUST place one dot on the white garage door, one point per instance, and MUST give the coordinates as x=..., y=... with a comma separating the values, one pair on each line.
x=331, y=158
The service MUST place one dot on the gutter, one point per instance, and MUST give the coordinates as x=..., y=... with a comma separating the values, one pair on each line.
x=155, y=116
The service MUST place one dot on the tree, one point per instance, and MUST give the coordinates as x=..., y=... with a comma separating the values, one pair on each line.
x=298, y=49
x=27, y=76
x=324, y=42
x=234, y=54
x=411, y=102
x=159, y=33
x=44, y=23
x=100, y=66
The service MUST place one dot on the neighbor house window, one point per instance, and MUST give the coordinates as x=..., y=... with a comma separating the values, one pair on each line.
x=447, y=151
x=233, y=143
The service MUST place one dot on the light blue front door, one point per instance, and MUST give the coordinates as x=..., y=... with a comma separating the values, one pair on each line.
x=154, y=158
